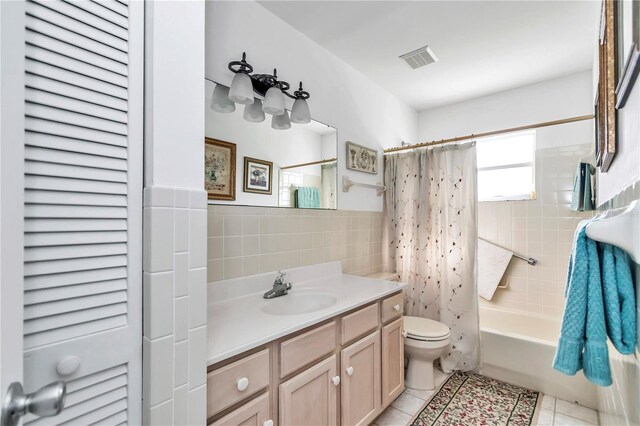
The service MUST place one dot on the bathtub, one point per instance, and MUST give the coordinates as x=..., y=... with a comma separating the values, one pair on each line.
x=519, y=348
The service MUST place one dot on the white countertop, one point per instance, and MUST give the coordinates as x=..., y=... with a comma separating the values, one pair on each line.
x=236, y=322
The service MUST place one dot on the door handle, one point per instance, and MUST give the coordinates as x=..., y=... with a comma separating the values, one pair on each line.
x=45, y=402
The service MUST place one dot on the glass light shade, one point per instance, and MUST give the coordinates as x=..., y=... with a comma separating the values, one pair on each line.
x=220, y=101
x=273, y=101
x=241, y=91
x=253, y=112
x=281, y=122
x=300, y=112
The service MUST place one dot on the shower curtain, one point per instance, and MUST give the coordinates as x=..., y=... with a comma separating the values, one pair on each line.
x=431, y=241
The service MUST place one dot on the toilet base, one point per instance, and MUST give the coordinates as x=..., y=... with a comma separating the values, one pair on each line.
x=420, y=374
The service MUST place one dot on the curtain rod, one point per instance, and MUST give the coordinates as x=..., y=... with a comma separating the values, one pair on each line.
x=309, y=164
x=494, y=132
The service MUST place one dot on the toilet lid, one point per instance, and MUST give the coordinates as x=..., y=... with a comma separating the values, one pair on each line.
x=425, y=329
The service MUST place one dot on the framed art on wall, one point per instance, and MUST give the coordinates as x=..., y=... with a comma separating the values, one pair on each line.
x=257, y=176
x=627, y=33
x=220, y=169
x=607, y=85
x=361, y=158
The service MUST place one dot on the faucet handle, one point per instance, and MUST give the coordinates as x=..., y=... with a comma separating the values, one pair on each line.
x=280, y=276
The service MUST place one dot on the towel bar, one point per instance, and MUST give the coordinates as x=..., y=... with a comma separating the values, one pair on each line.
x=348, y=183
x=530, y=260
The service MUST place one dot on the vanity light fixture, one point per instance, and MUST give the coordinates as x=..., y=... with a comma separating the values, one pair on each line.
x=272, y=90
x=220, y=101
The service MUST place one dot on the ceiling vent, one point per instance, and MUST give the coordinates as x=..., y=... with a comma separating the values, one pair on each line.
x=419, y=57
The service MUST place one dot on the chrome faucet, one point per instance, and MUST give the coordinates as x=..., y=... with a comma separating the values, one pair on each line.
x=280, y=287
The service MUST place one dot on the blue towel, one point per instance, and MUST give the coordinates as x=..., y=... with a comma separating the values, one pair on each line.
x=583, y=336
x=308, y=197
x=581, y=196
x=619, y=298
x=586, y=322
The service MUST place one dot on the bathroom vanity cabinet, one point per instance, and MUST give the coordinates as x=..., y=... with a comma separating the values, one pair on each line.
x=345, y=370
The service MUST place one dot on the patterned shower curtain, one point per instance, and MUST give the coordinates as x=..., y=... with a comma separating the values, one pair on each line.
x=431, y=241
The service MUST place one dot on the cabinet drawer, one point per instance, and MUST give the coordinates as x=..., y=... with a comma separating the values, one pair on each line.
x=253, y=413
x=226, y=385
x=360, y=322
x=307, y=348
x=392, y=307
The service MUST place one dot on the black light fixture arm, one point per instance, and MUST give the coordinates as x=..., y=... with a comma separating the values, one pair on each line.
x=263, y=82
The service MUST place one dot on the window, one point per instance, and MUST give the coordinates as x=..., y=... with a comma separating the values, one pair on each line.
x=288, y=179
x=506, y=167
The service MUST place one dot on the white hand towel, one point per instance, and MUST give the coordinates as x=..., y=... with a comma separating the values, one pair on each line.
x=492, y=262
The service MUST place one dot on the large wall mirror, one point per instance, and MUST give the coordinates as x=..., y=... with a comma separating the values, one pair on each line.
x=262, y=166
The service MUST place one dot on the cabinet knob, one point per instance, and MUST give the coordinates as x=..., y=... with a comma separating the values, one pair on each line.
x=243, y=384
x=268, y=423
x=396, y=308
x=350, y=371
x=336, y=380
x=68, y=365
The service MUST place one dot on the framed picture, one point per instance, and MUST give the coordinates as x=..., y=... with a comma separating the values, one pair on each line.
x=361, y=158
x=257, y=176
x=220, y=169
x=599, y=131
x=627, y=33
x=607, y=84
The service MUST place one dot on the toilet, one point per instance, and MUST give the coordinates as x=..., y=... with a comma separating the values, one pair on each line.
x=425, y=341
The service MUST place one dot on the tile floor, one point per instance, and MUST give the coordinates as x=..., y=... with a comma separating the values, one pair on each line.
x=554, y=412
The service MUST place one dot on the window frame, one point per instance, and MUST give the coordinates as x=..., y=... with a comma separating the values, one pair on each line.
x=514, y=197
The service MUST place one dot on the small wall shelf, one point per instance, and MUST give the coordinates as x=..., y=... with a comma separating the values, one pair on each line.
x=620, y=227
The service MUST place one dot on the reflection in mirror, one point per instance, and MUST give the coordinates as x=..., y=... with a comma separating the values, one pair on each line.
x=304, y=172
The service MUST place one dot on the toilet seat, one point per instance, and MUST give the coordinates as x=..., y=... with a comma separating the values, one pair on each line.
x=425, y=330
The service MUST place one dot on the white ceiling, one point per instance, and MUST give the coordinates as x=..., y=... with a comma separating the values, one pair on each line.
x=483, y=47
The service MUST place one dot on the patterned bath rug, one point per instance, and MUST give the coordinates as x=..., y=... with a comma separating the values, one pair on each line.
x=469, y=399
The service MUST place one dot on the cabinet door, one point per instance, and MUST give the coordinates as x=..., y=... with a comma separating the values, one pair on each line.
x=361, y=381
x=310, y=398
x=254, y=413
x=392, y=362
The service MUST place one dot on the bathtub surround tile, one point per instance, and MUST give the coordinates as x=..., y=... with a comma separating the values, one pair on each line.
x=174, y=301
x=542, y=228
x=251, y=240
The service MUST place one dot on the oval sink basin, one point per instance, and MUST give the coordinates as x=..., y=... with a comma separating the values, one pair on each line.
x=296, y=304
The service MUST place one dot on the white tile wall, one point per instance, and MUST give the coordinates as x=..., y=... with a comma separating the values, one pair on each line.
x=250, y=240
x=543, y=229
x=175, y=309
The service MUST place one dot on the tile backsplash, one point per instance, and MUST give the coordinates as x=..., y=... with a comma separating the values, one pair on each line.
x=543, y=229
x=246, y=240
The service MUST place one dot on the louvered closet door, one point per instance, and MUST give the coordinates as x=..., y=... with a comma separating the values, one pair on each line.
x=83, y=207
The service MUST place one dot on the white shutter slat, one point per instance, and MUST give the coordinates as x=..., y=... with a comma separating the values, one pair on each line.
x=70, y=265
x=47, y=85
x=36, y=124
x=78, y=185
x=72, y=279
x=67, y=9
x=71, y=225
x=60, y=307
x=74, y=198
x=74, y=65
x=79, y=251
x=113, y=5
x=71, y=291
x=75, y=39
x=42, y=168
x=75, y=146
x=53, y=211
x=69, y=238
x=48, y=155
x=74, y=105
x=75, y=119
x=44, y=13
x=66, y=50
x=72, y=329
x=83, y=205
x=34, y=67
x=58, y=322
x=104, y=13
